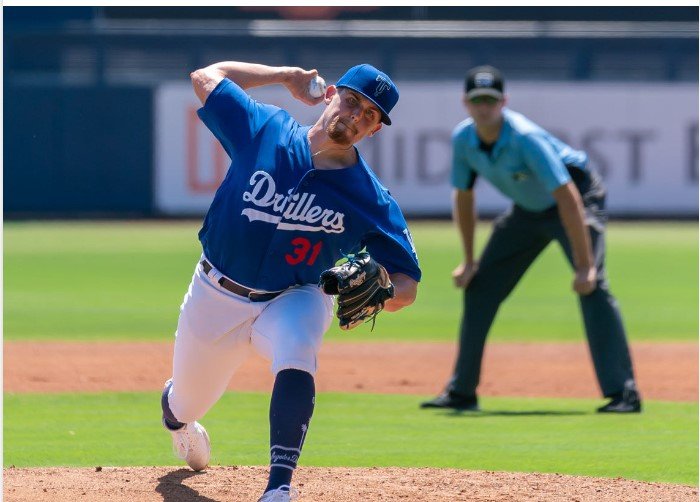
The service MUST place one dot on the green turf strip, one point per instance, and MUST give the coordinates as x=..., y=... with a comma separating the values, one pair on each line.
x=544, y=435
x=126, y=281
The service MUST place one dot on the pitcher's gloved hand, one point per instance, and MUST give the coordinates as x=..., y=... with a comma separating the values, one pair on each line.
x=362, y=286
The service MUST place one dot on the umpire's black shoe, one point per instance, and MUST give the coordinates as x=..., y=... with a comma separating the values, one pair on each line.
x=449, y=399
x=627, y=401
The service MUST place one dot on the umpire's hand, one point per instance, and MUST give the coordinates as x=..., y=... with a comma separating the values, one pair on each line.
x=464, y=273
x=585, y=280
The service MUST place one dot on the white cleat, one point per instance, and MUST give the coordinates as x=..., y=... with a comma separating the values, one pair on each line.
x=284, y=493
x=191, y=444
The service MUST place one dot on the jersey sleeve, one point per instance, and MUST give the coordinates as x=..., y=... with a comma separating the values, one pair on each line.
x=233, y=116
x=463, y=176
x=390, y=243
x=543, y=160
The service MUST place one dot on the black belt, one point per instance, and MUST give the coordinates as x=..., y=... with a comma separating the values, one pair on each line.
x=239, y=290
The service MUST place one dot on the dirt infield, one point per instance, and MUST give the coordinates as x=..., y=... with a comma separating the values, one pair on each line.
x=323, y=484
x=667, y=371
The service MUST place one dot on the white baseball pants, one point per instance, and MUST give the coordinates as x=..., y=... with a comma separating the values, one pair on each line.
x=218, y=329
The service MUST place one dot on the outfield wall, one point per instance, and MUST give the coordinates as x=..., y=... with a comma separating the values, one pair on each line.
x=643, y=138
x=77, y=151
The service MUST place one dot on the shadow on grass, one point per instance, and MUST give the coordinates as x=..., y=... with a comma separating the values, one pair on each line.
x=510, y=413
x=171, y=488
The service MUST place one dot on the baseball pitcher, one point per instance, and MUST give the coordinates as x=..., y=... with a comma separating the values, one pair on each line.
x=295, y=201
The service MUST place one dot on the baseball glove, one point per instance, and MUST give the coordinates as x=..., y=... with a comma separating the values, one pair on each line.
x=362, y=286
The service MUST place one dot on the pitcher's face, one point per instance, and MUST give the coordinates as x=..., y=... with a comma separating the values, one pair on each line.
x=351, y=117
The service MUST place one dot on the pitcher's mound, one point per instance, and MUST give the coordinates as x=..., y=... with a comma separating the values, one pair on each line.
x=319, y=484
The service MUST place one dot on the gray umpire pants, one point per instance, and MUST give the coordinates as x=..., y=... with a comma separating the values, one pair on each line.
x=518, y=237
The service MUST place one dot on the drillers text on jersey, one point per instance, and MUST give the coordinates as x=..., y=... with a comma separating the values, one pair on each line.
x=293, y=206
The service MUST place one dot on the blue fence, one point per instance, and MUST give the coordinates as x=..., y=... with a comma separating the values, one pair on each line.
x=78, y=151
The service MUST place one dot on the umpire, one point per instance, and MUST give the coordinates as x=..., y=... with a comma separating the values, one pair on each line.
x=556, y=196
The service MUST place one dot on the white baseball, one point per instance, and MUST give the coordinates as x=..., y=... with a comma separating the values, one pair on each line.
x=317, y=87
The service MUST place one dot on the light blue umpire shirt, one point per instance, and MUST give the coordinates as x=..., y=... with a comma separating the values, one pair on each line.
x=526, y=164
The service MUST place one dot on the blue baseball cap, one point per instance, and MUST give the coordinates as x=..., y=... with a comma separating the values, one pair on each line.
x=374, y=85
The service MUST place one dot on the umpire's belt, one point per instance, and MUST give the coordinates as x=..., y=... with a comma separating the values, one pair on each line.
x=234, y=287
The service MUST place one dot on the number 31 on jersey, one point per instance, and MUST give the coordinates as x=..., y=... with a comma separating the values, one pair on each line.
x=303, y=251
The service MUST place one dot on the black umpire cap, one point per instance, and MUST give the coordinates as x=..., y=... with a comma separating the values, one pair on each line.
x=484, y=81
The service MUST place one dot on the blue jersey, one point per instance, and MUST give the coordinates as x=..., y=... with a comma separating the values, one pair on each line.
x=276, y=221
x=526, y=164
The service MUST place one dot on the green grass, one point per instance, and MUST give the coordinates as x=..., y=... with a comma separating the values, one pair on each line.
x=127, y=280
x=528, y=435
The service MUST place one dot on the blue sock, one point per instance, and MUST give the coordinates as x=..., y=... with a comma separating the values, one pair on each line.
x=291, y=407
x=168, y=418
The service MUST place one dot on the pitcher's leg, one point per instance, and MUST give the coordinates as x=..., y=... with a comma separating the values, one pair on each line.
x=290, y=329
x=212, y=340
x=289, y=333
x=201, y=373
x=291, y=407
